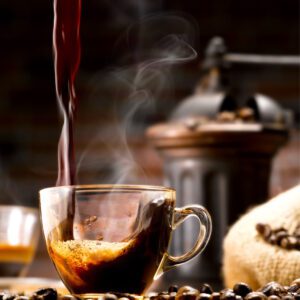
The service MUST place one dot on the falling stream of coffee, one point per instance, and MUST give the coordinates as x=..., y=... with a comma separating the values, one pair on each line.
x=66, y=45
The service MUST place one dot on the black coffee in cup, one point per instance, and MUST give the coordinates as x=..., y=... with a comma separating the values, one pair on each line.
x=128, y=266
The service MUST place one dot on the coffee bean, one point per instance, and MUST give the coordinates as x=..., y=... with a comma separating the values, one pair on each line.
x=45, y=294
x=246, y=114
x=173, y=288
x=153, y=296
x=109, y=296
x=289, y=242
x=276, y=230
x=242, y=289
x=273, y=288
x=272, y=239
x=205, y=288
x=293, y=288
x=287, y=297
x=186, y=289
x=2, y=294
x=273, y=297
x=215, y=296
x=204, y=296
x=279, y=236
x=192, y=123
x=256, y=296
x=226, y=290
x=163, y=297
x=296, y=281
x=121, y=295
x=292, y=241
x=227, y=295
x=150, y=294
x=226, y=116
x=191, y=295
x=264, y=230
x=8, y=296
x=296, y=296
x=172, y=295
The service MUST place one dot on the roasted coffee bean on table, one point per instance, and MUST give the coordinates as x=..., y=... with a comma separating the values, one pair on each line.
x=205, y=288
x=227, y=294
x=173, y=289
x=240, y=291
x=256, y=296
x=45, y=294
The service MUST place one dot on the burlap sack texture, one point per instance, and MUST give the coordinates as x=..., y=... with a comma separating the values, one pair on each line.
x=248, y=258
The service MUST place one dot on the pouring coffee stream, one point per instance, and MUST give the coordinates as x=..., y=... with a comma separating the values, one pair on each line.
x=66, y=49
x=66, y=46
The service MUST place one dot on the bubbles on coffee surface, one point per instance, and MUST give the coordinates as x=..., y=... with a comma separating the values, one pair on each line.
x=78, y=259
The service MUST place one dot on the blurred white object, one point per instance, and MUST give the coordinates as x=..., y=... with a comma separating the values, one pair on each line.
x=19, y=233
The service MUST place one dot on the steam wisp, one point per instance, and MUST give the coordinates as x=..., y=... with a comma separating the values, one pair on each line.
x=137, y=87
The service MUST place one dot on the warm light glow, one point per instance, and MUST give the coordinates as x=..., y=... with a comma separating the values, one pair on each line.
x=13, y=227
x=28, y=229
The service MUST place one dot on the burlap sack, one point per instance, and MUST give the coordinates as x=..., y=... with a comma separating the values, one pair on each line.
x=248, y=258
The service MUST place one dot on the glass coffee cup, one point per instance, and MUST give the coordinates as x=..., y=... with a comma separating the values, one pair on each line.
x=114, y=238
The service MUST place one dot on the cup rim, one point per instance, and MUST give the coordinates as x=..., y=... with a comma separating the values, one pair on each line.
x=20, y=207
x=128, y=187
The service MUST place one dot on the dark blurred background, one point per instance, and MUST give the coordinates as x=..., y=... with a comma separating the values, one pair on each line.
x=114, y=36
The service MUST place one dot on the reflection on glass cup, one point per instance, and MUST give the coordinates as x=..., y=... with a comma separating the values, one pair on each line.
x=114, y=238
x=19, y=231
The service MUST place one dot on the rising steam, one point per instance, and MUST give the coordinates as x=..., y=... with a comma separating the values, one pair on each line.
x=160, y=43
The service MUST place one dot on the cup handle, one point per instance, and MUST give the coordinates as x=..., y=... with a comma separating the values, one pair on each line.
x=180, y=215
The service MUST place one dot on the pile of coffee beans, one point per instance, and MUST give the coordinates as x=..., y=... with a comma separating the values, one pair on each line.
x=240, y=291
x=280, y=236
x=41, y=294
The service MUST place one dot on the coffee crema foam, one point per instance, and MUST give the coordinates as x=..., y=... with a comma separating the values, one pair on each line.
x=76, y=257
x=88, y=252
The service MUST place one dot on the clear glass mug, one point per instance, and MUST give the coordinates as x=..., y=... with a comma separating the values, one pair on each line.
x=19, y=233
x=114, y=238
